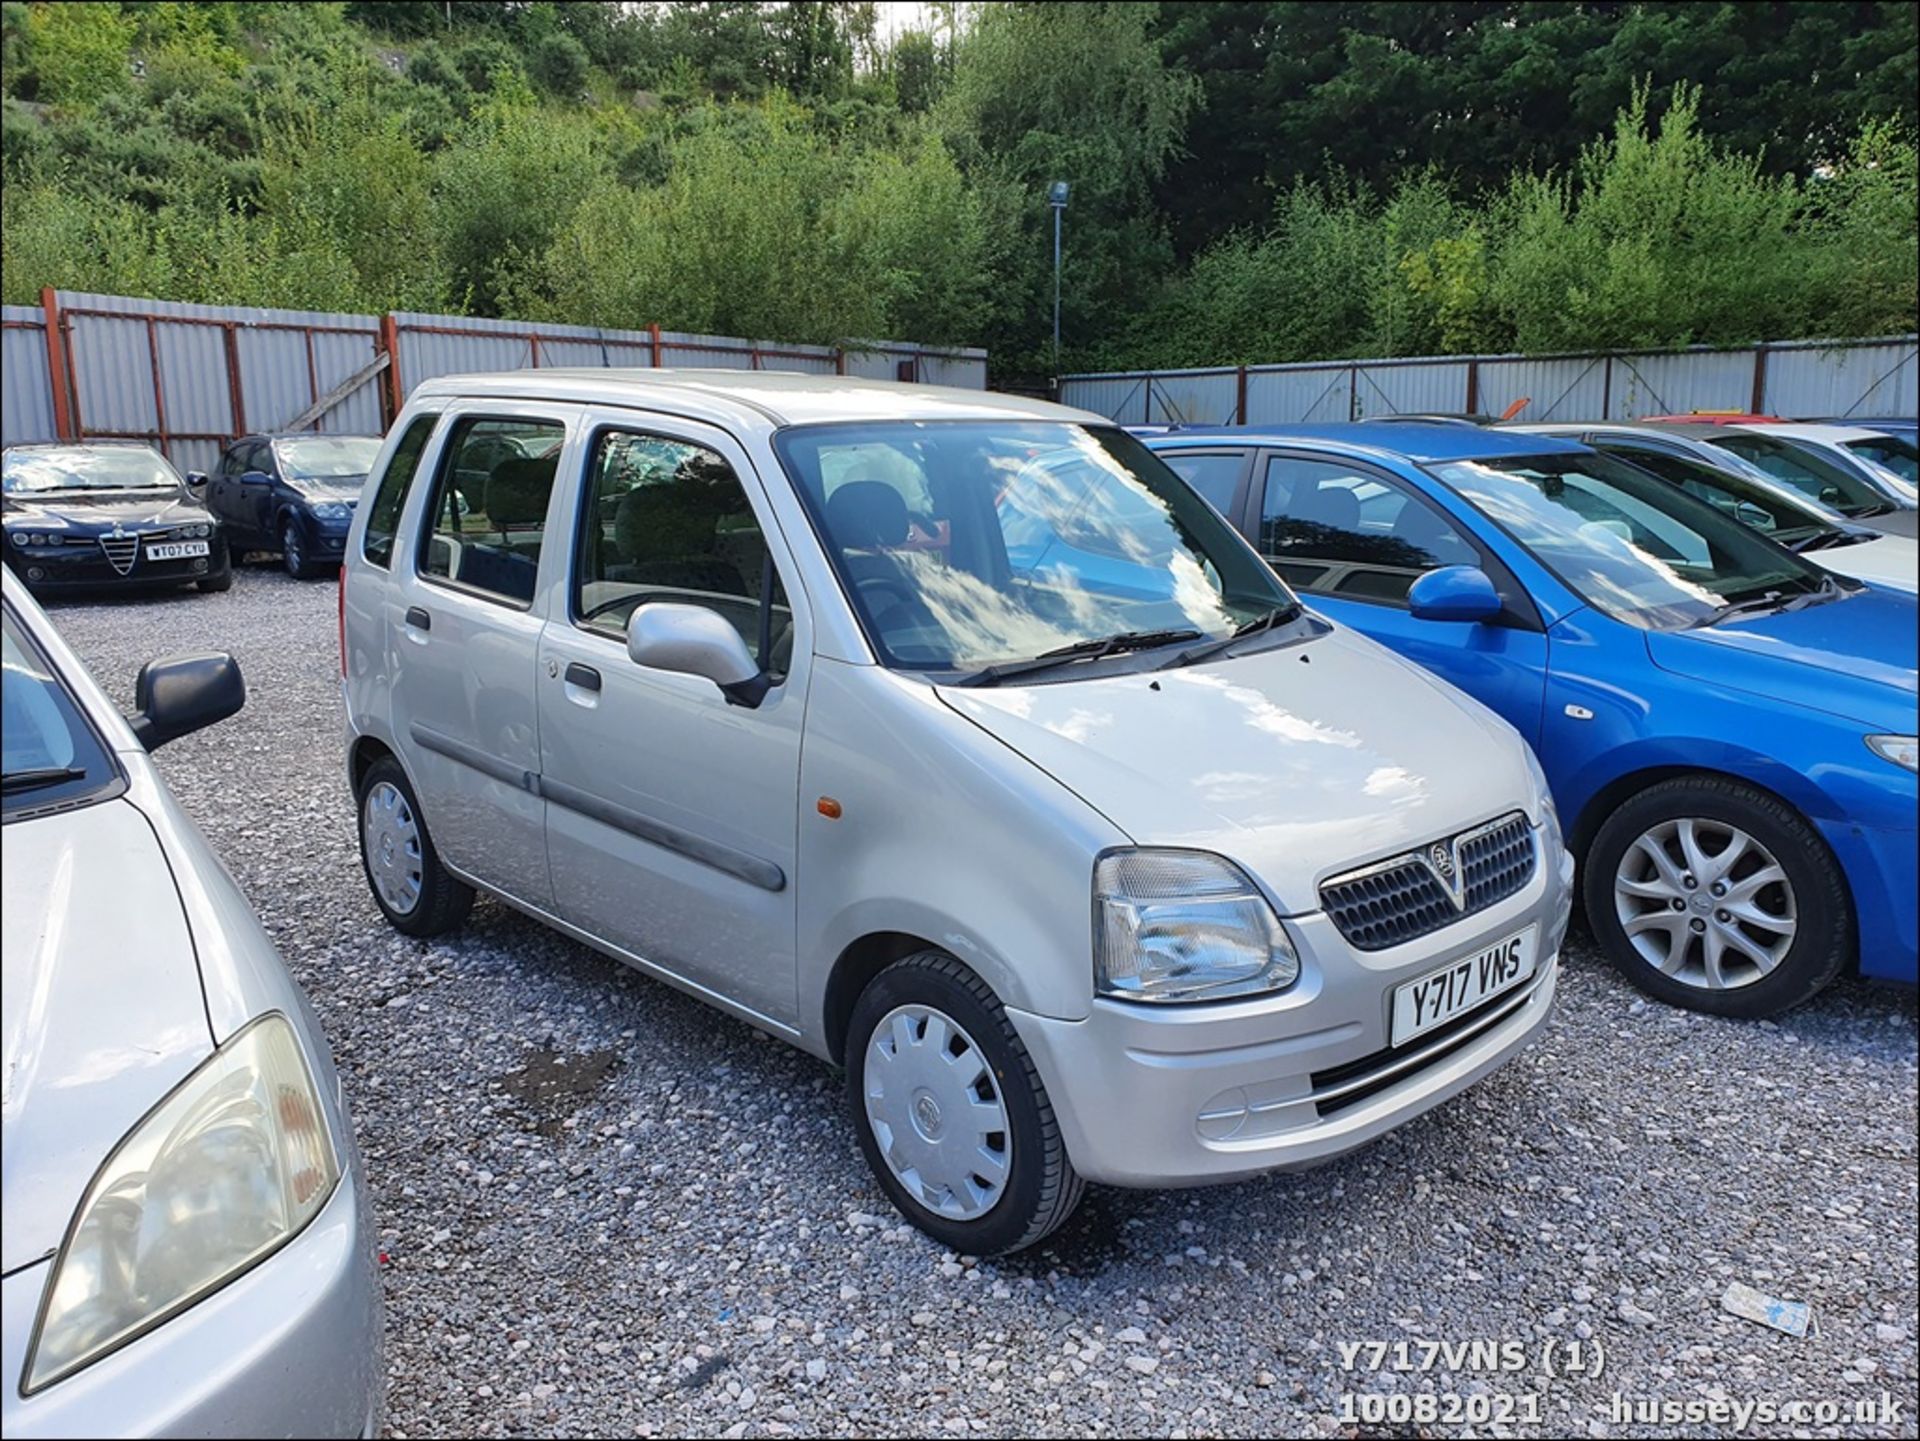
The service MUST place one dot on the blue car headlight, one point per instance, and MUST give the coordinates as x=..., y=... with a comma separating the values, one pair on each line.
x=1903, y=751
x=331, y=510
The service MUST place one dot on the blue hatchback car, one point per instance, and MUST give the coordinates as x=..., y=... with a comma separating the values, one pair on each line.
x=1729, y=732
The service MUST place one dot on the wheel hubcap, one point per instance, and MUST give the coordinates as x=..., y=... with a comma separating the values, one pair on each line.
x=290, y=547
x=937, y=1113
x=391, y=835
x=1705, y=903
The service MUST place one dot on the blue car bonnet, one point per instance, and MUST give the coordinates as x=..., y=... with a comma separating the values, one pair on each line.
x=1854, y=658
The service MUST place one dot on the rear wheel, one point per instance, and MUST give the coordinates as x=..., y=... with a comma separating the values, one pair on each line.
x=416, y=894
x=1715, y=896
x=951, y=1114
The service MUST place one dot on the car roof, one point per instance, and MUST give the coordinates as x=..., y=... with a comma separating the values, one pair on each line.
x=101, y=444
x=1416, y=440
x=755, y=399
x=1815, y=430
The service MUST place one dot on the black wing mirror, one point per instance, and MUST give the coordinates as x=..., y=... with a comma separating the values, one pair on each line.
x=183, y=694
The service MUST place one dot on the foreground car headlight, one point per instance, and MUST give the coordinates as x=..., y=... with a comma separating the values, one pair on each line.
x=1549, y=812
x=330, y=510
x=19, y=537
x=1901, y=750
x=1184, y=926
x=221, y=1174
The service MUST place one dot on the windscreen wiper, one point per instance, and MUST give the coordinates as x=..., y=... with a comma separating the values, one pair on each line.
x=1094, y=649
x=1279, y=615
x=1827, y=589
x=32, y=780
x=1827, y=539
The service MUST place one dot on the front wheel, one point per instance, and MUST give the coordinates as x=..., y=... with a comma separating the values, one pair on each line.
x=294, y=551
x=1713, y=895
x=951, y=1114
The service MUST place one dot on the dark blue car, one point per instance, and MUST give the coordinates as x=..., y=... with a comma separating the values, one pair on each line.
x=1729, y=731
x=293, y=494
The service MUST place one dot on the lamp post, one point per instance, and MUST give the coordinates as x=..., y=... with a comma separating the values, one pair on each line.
x=1057, y=198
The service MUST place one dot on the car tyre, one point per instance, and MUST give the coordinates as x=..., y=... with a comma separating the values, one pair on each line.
x=214, y=584
x=295, y=554
x=915, y=1032
x=417, y=895
x=1790, y=928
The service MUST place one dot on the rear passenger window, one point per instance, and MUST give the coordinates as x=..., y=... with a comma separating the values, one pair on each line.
x=488, y=515
x=667, y=520
x=384, y=517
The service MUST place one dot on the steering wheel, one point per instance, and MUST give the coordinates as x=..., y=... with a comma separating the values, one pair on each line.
x=595, y=612
x=904, y=593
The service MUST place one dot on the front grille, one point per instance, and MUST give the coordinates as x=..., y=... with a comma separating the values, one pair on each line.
x=1409, y=896
x=122, y=550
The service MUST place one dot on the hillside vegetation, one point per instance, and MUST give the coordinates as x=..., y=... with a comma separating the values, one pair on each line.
x=1251, y=182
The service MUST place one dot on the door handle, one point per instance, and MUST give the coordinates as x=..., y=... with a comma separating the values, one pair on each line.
x=584, y=676
x=418, y=618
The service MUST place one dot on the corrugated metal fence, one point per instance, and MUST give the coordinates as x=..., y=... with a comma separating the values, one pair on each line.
x=1799, y=378
x=190, y=377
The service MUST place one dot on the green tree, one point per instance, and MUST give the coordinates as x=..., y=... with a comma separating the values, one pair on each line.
x=78, y=52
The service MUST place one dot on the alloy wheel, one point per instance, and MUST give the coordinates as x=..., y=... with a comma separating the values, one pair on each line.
x=1705, y=903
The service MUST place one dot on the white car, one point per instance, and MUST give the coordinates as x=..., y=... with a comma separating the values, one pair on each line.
x=1802, y=524
x=188, y=1251
x=1871, y=454
x=951, y=737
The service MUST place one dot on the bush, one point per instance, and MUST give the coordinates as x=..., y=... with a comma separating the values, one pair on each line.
x=558, y=64
x=78, y=52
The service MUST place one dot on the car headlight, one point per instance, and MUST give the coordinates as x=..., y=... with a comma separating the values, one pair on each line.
x=19, y=537
x=1901, y=750
x=227, y=1169
x=1549, y=812
x=1171, y=925
x=330, y=510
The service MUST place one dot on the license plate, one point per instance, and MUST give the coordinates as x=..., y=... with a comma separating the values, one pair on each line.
x=1439, y=996
x=177, y=549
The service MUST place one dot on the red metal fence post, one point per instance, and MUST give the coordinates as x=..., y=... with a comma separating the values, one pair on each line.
x=1473, y=386
x=159, y=390
x=234, y=392
x=653, y=333
x=59, y=378
x=1240, y=398
x=839, y=360
x=1759, y=406
x=390, y=343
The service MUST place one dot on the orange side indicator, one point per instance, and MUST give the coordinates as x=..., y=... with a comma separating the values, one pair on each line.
x=828, y=807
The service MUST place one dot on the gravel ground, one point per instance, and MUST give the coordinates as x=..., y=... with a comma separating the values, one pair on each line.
x=608, y=1209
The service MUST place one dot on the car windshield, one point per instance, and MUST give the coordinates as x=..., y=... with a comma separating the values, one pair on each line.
x=1629, y=544
x=972, y=544
x=1810, y=474
x=327, y=457
x=1890, y=451
x=86, y=467
x=1766, y=506
x=49, y=755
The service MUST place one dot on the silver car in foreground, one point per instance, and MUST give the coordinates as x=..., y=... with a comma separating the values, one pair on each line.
x=955, y=739
x=186, y=1246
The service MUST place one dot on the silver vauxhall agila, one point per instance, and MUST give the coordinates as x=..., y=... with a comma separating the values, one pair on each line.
x=953, y=738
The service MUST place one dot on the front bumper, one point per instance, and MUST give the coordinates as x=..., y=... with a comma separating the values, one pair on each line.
x=1173, y=1096
x=1880, y=863
x=292, y=1348
x=86, y=567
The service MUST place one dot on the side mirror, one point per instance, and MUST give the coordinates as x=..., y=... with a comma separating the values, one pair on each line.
x=256, y=477
x=1754, y=516
x=184, y=694
x=693, y=640
x=196, y=480
x=1454, y=592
